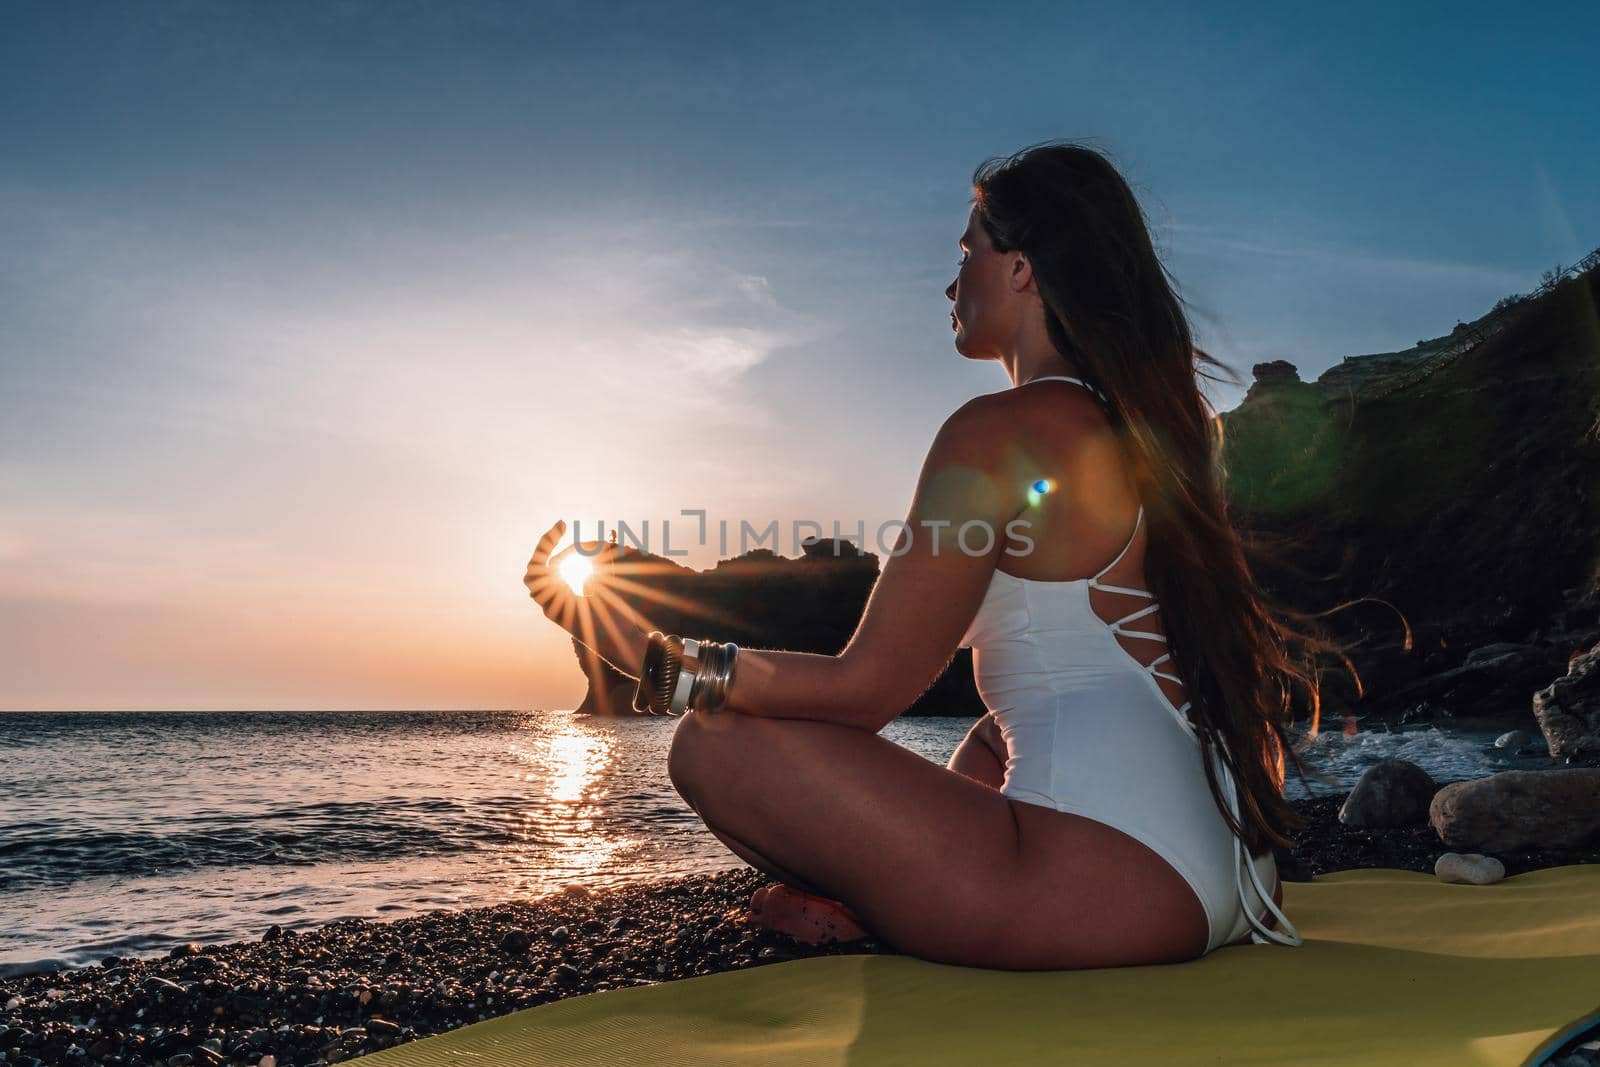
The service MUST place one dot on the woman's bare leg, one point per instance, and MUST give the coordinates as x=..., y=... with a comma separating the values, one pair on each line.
x=936, y=863
x=981, y=755
x=799, y=910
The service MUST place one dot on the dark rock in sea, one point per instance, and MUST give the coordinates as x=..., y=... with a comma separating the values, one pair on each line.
x=1494, y=676
x=179, y=951
x=273, y=933
x=762, y=600
x=1513, y=739
x=1423, y=712
x=1394, y=792
x=1516, y=810
x=1568, y=709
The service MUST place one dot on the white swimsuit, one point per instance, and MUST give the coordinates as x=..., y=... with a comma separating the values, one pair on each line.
x=1089, y=731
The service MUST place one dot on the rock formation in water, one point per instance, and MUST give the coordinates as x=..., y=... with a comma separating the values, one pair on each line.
x=764, y=600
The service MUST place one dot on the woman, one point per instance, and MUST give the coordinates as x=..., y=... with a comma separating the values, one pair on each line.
x=1137, y=706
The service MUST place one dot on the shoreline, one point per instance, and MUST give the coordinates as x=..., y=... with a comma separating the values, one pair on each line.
x=333, y=992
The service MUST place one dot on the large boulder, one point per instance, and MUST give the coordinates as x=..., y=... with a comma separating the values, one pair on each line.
x=1568, y=709
x=1393, y=793
x=1516, y=810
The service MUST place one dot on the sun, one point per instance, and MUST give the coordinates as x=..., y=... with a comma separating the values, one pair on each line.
x=575, y=571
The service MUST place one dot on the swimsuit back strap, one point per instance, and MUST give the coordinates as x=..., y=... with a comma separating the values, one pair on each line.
x=1261, y=933
x=1137, y=519
x=1067, y=378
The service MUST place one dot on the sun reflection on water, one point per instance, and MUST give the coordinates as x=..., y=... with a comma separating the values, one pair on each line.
x=562, y=823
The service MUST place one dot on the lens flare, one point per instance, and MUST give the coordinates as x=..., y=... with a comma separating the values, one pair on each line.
x=1037, y=491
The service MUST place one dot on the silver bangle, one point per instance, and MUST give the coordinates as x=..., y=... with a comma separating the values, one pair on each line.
x=689, y=671
x=719, y=671
x=704, y=673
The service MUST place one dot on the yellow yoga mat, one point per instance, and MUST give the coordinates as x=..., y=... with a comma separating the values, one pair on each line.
x=1397, y=968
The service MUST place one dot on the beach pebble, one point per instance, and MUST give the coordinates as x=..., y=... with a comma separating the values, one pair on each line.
x=269, y=1060
x=560, y=934
x=1394, y=792
x=272, y=933
x=516, y=942
x=190, y=949
x=1469, y=869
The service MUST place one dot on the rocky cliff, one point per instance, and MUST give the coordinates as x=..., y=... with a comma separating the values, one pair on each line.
x=1459, y=481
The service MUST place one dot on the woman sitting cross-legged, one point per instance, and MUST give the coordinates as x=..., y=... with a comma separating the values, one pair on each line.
x=1118, y=803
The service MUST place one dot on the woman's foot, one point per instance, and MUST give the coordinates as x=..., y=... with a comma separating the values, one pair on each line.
x=805, y=917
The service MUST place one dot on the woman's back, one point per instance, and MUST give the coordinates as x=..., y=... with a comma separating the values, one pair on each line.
x=1075, y=673
x=1089, y=514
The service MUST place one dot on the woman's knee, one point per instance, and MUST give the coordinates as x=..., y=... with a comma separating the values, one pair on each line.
x=977, y=758
x=701, y=743
x=684, y=755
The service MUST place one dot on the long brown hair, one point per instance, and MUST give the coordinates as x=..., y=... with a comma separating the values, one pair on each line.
x=1111, y=308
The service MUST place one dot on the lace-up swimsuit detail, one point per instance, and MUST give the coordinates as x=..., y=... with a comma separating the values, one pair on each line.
x=1089, y=730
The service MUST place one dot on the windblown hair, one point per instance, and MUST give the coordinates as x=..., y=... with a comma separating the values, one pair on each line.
x=1112, y=310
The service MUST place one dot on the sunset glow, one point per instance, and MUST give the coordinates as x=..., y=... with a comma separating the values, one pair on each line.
x=321, y=390
x=575, y=571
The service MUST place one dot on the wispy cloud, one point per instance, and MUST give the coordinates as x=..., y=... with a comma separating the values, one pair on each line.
x=1320, y=258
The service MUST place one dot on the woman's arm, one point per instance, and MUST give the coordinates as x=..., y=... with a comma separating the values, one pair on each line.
x=970, y=487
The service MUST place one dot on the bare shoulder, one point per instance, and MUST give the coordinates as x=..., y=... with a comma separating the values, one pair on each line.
x=1004, y=428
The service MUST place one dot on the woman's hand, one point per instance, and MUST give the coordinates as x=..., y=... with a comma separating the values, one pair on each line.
x=601, y=620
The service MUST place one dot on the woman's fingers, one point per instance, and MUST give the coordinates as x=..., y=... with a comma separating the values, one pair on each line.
x=544, y=585
x=547, y=544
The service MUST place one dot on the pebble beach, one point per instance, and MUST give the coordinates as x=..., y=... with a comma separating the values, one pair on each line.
x=338, y=991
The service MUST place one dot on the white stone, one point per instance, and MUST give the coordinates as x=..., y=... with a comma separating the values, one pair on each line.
x=1469, y=869
x=1512, y=739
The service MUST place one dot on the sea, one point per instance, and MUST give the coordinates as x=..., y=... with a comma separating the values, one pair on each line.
x=125, y=833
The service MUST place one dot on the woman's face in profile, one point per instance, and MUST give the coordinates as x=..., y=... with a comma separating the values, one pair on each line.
x=981, y=308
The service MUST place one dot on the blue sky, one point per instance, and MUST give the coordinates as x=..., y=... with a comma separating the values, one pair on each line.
x=315, y=315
